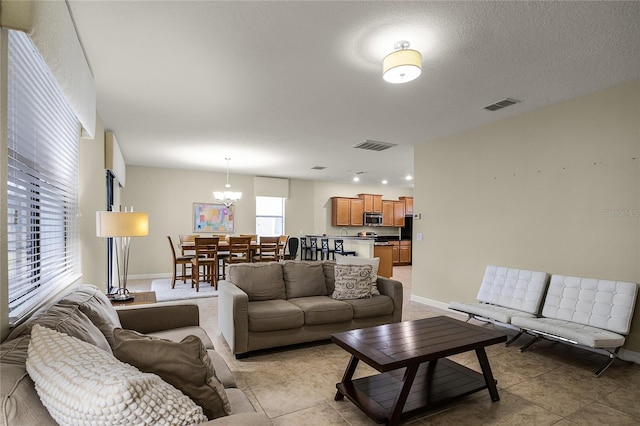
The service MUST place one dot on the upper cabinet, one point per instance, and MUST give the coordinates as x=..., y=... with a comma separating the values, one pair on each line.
x=347, y=211
x=387, y=213
x=372, y=202
x=408, y=205
x=393, y=213
x=398, y=213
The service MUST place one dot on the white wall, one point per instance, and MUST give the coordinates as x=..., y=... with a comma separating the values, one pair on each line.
x=92, y=196
x=556, y=189
x=168, y=196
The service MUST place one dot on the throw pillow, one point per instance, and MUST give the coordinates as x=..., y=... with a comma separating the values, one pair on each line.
x=303, y=279
x=81, y=384
x=68, y=319
x=353, y=260
x=352, y=282
x=94, y=304
x=185, y=365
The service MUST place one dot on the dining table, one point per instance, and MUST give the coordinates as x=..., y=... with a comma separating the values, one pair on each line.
x=223, y=245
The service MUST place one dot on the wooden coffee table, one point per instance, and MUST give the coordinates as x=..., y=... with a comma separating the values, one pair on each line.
x=415, y=375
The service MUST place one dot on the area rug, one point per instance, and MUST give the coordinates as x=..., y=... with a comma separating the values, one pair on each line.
x=182, y=291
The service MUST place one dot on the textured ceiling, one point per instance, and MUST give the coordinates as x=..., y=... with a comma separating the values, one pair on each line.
x=281, y=87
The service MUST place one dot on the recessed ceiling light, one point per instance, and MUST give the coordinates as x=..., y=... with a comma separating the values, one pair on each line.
x=384, y=182
x=409, y=177
x=356, y=179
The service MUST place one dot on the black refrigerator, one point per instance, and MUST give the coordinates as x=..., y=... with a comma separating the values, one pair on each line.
x=406, y=233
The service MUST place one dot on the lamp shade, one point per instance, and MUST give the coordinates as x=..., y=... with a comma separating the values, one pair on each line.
x=402, y=66
x=122, y=224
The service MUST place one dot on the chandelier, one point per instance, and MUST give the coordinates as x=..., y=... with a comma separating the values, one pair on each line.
x=226, y=197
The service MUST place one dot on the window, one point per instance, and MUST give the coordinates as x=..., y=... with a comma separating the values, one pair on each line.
x=269, y=215
x=42, y=181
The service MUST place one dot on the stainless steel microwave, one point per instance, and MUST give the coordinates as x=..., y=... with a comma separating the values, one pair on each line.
x=373, y=219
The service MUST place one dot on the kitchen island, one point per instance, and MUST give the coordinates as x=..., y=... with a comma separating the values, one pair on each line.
x=364, y=247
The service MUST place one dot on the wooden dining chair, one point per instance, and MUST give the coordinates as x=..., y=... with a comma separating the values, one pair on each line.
x=268, y=249
x=206, y=257
x=184, y=261
x=239, y=252
x=282, y=246
x=190, y=242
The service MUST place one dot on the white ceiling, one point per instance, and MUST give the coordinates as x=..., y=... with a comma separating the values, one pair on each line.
x=281, y=87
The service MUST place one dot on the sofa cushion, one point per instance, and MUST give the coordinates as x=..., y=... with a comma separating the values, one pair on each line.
x=222, y=370
x=15, y=351
x=352, y=282
x=185, y=365
x=21, y=404
x=81, y=384
x=373, y=261
x=303, y=278
x=95, y=305
x=329, y=268
x=580, y=333
x=269, y=315
x=371, y=307
x=67, y=319
x=261, y=281
x=323, y=310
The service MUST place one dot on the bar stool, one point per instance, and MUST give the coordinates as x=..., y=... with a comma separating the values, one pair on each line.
x=313, y=248
x=304, y=249
x=339, y=249
x=325, y=250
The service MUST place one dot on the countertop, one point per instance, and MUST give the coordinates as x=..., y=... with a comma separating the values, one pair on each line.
x=342, y=237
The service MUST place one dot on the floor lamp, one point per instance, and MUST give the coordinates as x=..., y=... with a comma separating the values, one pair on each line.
x=122, y=226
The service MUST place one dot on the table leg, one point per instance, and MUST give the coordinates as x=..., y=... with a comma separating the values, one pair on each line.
x=488, y=375
x=348, y=375
x=398, y=405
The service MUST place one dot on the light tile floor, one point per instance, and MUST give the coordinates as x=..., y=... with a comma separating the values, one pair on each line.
x=549, y=384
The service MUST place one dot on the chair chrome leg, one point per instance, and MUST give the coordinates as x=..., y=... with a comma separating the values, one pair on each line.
x=612, y=357
x=513, y=339
x=529, y=343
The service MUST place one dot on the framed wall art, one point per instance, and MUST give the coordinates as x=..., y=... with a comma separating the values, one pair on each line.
x=208, y=217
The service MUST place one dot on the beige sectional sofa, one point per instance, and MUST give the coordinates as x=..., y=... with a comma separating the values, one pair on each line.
x=86, y=314
x=267, y=305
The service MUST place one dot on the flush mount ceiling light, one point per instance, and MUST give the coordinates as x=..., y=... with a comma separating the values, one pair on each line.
x=403, y=65
x=226, y=197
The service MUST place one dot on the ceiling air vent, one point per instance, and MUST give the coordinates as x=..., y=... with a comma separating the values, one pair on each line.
x=374, y=145
x=318, y=168
x=501, y=104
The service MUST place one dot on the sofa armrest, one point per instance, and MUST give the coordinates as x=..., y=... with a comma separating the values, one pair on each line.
x=233, y=316
x=152, y=318
x=393, y=289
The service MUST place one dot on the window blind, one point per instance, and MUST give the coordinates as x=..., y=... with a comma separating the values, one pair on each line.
x=42, y=181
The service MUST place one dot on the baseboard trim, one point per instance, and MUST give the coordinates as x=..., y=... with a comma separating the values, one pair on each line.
x=148, y=276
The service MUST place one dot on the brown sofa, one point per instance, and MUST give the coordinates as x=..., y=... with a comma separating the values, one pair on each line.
x=267, y=305
x=86, y=313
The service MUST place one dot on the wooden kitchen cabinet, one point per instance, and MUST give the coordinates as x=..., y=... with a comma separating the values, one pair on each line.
x=404, y=253
x=398, y=213
x=385, y=253
x=408, y=205
x=372, y=202
x=395, y=252
x=357, y=212
x=347, y=211
x=340, y=211
x=387, y=213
